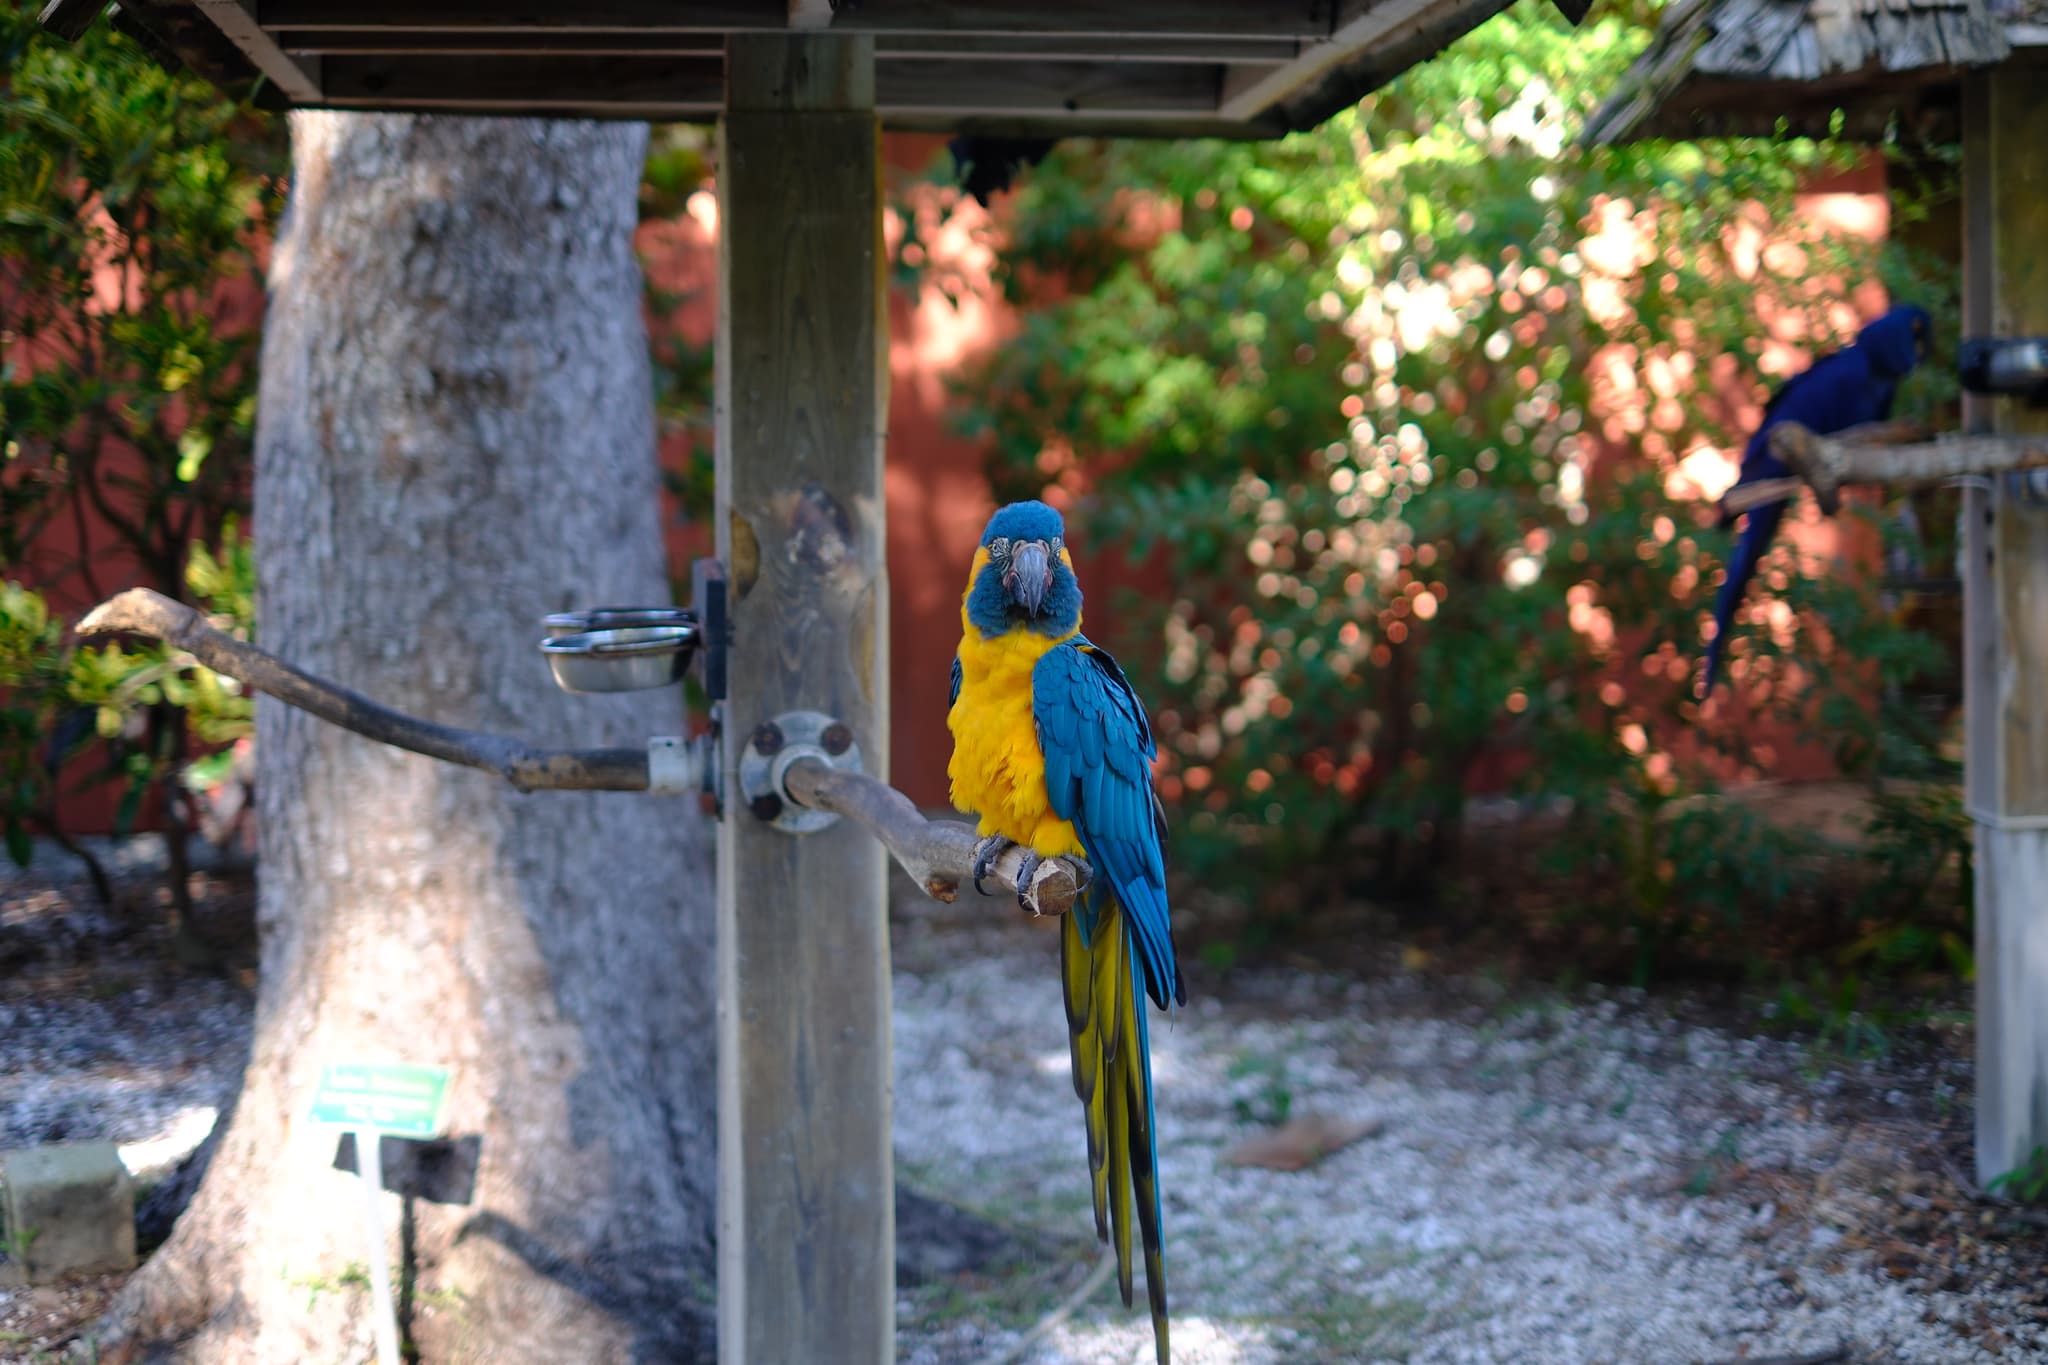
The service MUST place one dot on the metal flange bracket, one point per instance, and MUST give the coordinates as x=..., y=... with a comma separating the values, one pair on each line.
x=778, y=743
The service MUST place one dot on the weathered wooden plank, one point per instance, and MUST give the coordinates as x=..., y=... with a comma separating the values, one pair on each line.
x=1059, y=124
x=536, y=84
x=467, y=43
x=236, y=19
x=1249, y=90
x=1297, y=19
x=806, y=1191
x=1415, y=39
x=2006, y=624
x=485, y=16
x=2011, y=873
x=1058, y=90
x=2019, y=307
x=1073, y=89
x=1840, y=35
x=807, y=15
x=902, y=46
x=1252, y=51
x=1748, y=43
x=69, y=19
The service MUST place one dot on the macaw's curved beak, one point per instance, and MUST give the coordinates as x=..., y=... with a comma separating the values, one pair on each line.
x=1030, y=575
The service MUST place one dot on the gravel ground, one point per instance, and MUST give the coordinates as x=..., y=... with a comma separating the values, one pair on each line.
x=102, y=1034
x=1602, y=1177
x=1586, y=1181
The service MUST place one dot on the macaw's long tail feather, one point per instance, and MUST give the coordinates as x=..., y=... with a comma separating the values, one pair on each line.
x=1144, y=1154
x=1111, y=1047
x=1742, y=566
x=1087, y=1043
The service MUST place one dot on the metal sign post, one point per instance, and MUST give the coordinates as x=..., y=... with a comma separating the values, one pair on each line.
x=371, y=1101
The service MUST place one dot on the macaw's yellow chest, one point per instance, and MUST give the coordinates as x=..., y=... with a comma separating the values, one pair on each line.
x=998, y=770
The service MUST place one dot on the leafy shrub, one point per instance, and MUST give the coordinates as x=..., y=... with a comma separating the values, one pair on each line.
x=134, y=206
x=1394, y=406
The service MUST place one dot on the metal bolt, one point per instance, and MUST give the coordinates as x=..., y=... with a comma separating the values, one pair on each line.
x=837, y=739
x=766, y=806
x=767, y=738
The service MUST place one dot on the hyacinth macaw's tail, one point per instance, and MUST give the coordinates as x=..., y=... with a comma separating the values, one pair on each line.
x=1112, y=1052
x=1742, y=565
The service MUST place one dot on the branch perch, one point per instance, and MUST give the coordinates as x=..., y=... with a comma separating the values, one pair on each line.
x=1897, y=454
x=938, y=854
x=139, y=611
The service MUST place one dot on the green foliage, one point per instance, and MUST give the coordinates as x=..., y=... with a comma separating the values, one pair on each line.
x=1393, y=406
x=134, y=205
x=60, y=702
x=2026, y=1182
x=130, y=199
x=1273, y=1101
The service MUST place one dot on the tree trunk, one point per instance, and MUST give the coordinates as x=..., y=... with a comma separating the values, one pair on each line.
x=456, y=436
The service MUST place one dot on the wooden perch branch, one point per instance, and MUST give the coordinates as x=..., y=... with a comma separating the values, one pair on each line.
x=140, y=611
x=1896, y=454
x=938, y=853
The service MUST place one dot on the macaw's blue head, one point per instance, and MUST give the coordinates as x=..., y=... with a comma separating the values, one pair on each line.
x=1897, y=341
x=1022, y=578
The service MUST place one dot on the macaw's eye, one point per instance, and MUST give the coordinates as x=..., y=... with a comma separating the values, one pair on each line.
x=999, y=549
x=1059, y=543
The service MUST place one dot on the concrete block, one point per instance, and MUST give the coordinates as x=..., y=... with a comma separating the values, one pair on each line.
x=65, y=1209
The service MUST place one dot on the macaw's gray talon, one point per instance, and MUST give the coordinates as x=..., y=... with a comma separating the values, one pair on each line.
x=985, y=854
x=1024, y=871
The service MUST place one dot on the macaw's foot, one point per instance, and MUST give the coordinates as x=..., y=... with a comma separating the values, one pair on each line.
x=985, y=854
x=1025, y=871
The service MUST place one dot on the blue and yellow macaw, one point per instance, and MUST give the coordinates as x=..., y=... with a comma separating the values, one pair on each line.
x=1844, y=389
x=1052, y=751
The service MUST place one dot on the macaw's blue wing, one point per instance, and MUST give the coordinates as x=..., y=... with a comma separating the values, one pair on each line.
x=1116, y=946
x=1098, y=774
x=1842, y=390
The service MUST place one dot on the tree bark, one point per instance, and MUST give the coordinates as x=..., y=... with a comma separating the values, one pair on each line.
x=456, y=436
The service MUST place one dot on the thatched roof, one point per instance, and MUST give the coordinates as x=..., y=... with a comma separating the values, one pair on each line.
x=1735, y=67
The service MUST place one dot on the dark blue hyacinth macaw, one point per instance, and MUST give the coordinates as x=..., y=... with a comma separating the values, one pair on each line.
x=1841, y=390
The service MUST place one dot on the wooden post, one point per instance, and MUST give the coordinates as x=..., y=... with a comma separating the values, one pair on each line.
x=2005, y=264
x=806, y=1194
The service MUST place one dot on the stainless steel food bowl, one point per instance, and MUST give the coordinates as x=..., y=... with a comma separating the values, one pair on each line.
x=622, y=660
x=615, y=618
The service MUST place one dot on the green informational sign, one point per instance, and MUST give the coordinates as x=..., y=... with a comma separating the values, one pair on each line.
x=404, y=1101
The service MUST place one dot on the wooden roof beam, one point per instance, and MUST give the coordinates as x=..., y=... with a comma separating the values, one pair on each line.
x=685, y=87
x=1071, y=89
x=1249, y=90
x=366, y=43
x=1301, y=20
x=810, y=14
x=69, y=19
x=647, y=87
x=1251, y=52
x=298, y=78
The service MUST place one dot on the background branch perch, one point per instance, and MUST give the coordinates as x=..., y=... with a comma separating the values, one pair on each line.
x=1896, y=454
x=939, y=854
